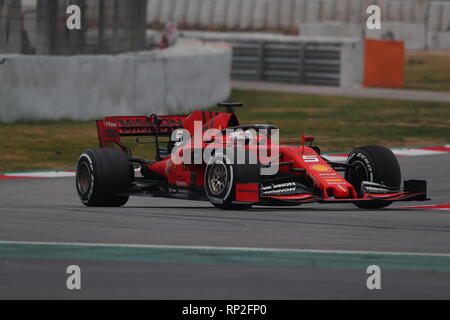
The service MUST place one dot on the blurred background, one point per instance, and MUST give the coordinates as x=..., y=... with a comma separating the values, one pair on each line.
x=310, y=65
x=119, y=25
x=39, y=27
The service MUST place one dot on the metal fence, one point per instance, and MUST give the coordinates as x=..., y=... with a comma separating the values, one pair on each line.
x=279, y=58
x=299, y=62
x=107, y=26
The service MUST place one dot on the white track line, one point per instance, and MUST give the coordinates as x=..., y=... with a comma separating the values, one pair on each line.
x=47, y=174
x=150, y=246
x=416, y=152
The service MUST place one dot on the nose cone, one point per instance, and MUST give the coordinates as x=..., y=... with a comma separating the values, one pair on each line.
x=340, y=191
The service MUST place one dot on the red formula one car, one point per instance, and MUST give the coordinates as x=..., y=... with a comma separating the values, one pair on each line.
x=211, y=157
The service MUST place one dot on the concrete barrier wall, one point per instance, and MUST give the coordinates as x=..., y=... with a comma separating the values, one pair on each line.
x=420, y=23
x=177, y=80
x=352, y=63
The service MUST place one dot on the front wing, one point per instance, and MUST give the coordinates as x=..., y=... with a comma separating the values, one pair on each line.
x=413, y=190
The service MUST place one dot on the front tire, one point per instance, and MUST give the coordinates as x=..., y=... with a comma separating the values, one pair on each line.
x=220, y=184
x=375, y=164
x=103, y=178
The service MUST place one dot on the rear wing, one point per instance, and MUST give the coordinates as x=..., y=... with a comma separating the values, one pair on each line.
x=110, y=129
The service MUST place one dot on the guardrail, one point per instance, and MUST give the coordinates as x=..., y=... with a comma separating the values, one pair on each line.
x=333, y=62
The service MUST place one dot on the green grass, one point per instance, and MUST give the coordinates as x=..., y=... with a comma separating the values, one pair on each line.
x=53, y=144
x=339, y=124
x=427, y=71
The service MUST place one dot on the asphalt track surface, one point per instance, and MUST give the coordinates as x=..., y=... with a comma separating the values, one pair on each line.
x=310, y=249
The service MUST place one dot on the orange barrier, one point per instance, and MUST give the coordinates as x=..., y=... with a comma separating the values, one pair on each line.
x=384, y=63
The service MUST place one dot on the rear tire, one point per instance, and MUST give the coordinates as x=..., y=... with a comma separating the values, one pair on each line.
x=376, y=164
x=103, y=178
